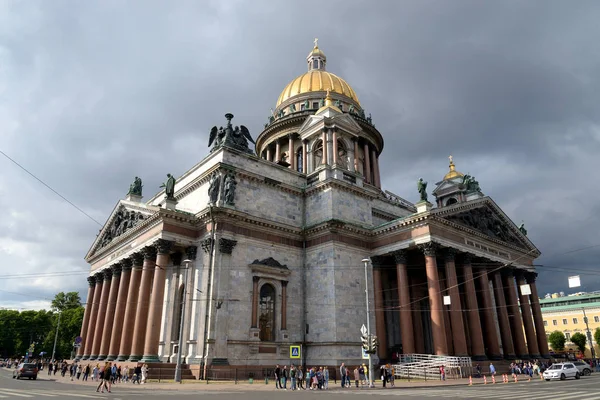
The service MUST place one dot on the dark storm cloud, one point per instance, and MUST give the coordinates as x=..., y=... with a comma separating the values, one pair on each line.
x=93, y=94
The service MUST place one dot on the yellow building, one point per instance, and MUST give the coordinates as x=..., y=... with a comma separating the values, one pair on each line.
x=566, y=314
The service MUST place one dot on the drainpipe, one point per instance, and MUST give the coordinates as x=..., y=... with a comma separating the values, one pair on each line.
x=209, y=293
x=303, y=347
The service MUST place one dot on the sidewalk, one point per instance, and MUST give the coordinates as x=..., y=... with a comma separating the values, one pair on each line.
x=257, y=385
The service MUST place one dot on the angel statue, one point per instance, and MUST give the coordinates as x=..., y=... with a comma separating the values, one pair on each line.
x=522, y=229
x=422, y=187
x=241, y=136
x=216, y=136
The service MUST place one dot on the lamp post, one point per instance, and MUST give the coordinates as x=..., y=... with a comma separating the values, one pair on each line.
x=575, y=281
x=56, y=336
x=370, y=373
x=181, y=321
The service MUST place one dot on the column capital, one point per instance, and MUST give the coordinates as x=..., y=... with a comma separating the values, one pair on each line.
x=509, y=272
x=190, y=252
x=91, y=281
x=429, y=249
x=126, y=264
x=530, y=276
x=137, y=259
x=207, y=245
x=116, y=269
x=176, y=258
x=149, y=253
x=378, y=261
x=467, y=258
x=226, y=245
x=108, y=274
x=400, y=256
x=163, y=246
x=450, y=254
x=99, y=276
x=284, y=284
x=255, y=278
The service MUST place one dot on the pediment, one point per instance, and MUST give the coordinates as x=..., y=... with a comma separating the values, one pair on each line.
x=485, y=217
x=342, y=121
x=445, y=186
x=125, y=217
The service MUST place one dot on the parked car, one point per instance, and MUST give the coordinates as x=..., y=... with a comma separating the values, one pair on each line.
x=584, y=368
x=26, y=370
x=561, y=371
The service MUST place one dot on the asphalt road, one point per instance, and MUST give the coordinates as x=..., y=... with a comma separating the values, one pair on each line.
x=44, y=388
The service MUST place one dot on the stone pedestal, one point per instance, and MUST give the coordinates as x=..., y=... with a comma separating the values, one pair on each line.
x=134, y=197
x=170, y=204
x=423, y=206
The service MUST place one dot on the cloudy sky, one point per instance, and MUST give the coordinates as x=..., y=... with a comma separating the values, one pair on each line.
x=94, y=93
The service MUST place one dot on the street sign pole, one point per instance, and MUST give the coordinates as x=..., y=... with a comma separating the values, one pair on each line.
x=370, y=372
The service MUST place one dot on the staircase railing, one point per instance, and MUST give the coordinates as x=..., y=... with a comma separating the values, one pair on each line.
x=427, y=366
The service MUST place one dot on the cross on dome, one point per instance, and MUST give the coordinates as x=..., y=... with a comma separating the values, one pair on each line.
x=316, y=42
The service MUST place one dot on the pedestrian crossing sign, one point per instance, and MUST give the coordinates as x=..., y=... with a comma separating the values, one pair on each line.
x=365, y=356
x=294, y=351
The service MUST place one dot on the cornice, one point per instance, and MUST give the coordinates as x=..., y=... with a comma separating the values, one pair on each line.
x=339, y=184
x=284, y=187
x=223, y=214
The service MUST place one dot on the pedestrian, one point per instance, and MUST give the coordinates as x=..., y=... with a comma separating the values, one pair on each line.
x=326, y=377
x=300, y=378
x=343, y=374
x=492, y=370
x=137, y=374
x=293, y=376
x=442, y=373
x=86, y=372
x=277, y=373
x=285, y=376
x=105, y=381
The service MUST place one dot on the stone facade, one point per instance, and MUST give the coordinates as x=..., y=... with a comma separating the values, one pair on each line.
x=281, y=261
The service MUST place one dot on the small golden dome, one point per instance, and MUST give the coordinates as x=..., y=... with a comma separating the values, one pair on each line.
x=316, y=51
x=328, y=103
x=317, y=81
x=453, y=173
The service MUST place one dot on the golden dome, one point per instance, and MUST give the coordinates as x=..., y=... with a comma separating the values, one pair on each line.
x=453, y=173
x=317, y=81
x=316, y=51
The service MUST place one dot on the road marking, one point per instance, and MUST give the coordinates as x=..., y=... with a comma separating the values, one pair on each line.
x=12, y=393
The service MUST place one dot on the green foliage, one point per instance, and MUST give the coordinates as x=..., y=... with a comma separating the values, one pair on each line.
x=557, y=340
x=597, y=335
x=18, y=330
x=579, y=339
x=66, y=301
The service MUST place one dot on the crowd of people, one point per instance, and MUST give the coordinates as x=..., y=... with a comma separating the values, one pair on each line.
x=317, y=378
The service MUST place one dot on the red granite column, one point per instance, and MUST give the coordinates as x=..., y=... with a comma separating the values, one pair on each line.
x=255, y=296
x=379, y=313
x=111, y=305
x=418, y=292
x=507, y=342
x=456, y=320
x=375, y=168
x=514, y=315
x=141, y=313
x=532, y=343
x=440, y=347
x=367, y=163
x=335, y=148
x=355, y=155
x=538, y=319
x=477, y=346
x=491, y=334
x=115, y=340
x=305, y=156
x=268, y=153
x=107, y=273
x=86, y=317
x=157, y=301
x=95, y=304
x=277, y=151
x=292, y=155
x=405, y=308
x=325, y=161
x=284, y=305
x=131, y=307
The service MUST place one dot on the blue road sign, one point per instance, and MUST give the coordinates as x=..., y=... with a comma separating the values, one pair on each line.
x=294, y=351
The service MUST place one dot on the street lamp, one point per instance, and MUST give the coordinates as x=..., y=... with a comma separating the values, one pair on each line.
x=370, y=374
x=56, y=336
x=575, y=281
x=181, y=321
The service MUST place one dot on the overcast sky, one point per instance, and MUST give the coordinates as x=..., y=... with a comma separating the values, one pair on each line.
x=93, y=94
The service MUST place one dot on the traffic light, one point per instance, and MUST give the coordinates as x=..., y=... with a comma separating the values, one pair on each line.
x=365, y=342
x=374, y=343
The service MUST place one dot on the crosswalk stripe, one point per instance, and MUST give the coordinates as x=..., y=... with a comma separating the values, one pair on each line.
x=7, y=391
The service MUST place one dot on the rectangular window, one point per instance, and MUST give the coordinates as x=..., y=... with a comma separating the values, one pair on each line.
x=568, y=336
x=596, y=318
x=574, y=320
x=302, y=107
x=315, y=104
x=545, y=323
x=554, y=322
x=565, y=321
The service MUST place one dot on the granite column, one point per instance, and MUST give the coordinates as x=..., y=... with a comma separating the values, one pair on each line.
x=456, y=320
x=440, y=347
x=111, y=305
x=131, y=303
x=477, y=346
x=117, y=328
x=141, y=315
x=86, y=317
x=405, y=308
x=98, y=334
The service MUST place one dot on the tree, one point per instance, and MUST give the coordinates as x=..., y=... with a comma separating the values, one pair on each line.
x=579, y=339
x=66, y=301
x=557, y=340
x=597, y=335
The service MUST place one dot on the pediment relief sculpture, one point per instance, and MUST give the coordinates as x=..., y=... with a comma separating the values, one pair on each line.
x=123, y=221
x=487, y=222
x=269, y=268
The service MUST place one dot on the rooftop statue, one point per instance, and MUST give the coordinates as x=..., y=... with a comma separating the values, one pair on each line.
x=522, y=229
x=237, y=138
x=136, y=187
x=470, y=183
x=422, y=188
x=292, y=108
x=169, y=186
